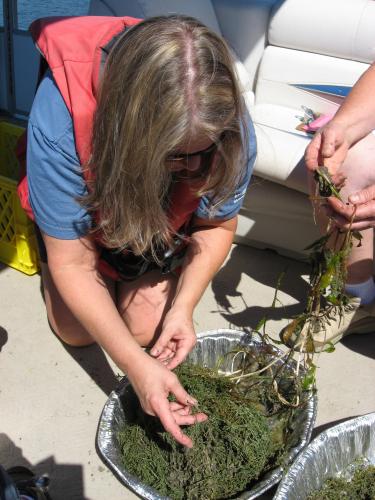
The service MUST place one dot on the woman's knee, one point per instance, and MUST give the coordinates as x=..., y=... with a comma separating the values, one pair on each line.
x=145, y=325
x=72, y=334
x=146, y=334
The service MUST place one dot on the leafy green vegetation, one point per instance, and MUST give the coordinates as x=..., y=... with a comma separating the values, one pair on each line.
x=326, y=296
x=245, y=435
x=360, y=487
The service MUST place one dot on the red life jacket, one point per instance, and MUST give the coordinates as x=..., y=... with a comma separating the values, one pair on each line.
x=72, y=48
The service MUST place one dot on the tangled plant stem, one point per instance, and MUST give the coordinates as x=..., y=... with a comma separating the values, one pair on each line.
x=326, y=297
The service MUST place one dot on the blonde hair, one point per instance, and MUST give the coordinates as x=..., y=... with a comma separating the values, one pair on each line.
x=167, y=79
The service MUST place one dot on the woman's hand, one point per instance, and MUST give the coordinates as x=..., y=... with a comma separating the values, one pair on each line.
x=177, y=338
x=153, y=383
x=329, y=147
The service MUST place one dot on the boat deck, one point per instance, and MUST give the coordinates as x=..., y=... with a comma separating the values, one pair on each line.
x=51, y=396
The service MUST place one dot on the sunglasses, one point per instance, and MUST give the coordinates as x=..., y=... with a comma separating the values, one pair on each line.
x=205, y=162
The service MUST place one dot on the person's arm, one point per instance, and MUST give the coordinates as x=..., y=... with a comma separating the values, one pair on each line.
x=357, y=113
x=73, y=266
x=208, y=248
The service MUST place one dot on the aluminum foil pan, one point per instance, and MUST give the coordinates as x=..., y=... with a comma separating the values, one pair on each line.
x=210, y=346
x=328, y=455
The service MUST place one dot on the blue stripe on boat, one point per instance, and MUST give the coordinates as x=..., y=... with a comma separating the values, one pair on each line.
x=338, y=90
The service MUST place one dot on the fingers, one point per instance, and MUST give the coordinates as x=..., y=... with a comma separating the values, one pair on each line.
x=342, y=215
x=163, y=347
x=174, y=414
x=327, y=148
x=355, y=226
x=329, y=143
x=364, y=211
x=197, y=418
x=318, y=123
x=182, y=350
x=173, y=348
x=364, y=196
x=178, y=358
x=181, y=395
x=166, y=354
x=171, y=358
x=341, y=222
x=170, y=425
x=183, y=414
x=172, y=420
x=340, y=208
x=312, y=152
x=180, y=408
x=339, y=179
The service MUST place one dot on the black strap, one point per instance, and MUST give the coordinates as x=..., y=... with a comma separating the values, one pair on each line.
x=131, y=267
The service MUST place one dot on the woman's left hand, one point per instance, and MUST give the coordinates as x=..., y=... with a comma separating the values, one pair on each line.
x=177, y=338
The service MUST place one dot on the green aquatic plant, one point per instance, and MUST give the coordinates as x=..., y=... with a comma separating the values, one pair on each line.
x=360, y=487
x=241, y=440
x=328, y=272
x=326, y=297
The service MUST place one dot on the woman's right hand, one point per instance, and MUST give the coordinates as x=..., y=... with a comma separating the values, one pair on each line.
x=329, y=147
x=153, y=383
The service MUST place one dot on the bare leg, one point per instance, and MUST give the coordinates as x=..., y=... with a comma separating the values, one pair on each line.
x=359, y=171
x=62, y=321
x=143, y=304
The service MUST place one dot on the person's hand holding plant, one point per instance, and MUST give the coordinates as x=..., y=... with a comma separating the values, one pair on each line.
x=330, y=147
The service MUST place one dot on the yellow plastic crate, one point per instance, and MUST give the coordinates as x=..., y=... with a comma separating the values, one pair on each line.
x=18, y=247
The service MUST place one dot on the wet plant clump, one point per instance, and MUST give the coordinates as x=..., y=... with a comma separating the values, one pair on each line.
x=239, y=441
x=328, y=259
x=360, y=487
x=326, y=300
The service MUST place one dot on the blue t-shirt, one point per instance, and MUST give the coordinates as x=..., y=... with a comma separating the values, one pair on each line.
x=55, y=176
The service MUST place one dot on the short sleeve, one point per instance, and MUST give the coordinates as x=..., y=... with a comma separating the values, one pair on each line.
x=53, y=170
x=232, y=205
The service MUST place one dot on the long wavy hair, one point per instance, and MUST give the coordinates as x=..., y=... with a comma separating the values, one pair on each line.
x=166, y=80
